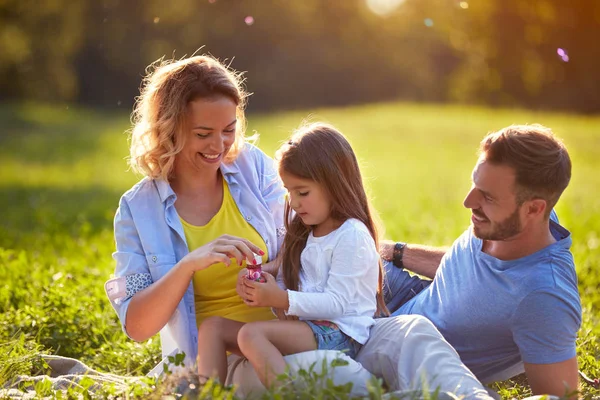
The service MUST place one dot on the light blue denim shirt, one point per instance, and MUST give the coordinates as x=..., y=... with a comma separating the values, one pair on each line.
x=150, y=239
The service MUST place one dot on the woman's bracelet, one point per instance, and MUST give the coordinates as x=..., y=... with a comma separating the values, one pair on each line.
x=398, y=253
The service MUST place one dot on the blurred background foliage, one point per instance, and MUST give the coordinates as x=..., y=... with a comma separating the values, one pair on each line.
x=70, y=71
x=298, y=53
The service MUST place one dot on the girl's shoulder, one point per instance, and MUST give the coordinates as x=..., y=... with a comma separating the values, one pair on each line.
x=353, y=224
x=354, y=229
x=353, y=235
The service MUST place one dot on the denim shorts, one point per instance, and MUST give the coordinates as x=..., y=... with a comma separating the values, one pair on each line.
x=329, y=337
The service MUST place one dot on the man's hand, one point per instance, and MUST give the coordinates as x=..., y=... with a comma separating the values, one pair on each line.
x=386, y=249
x=558, y=379
x=423, y=260
x=267, y=294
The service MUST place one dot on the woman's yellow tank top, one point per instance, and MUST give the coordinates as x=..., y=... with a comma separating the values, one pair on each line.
x=214, y=287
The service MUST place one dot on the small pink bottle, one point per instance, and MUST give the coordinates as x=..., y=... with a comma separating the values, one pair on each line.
x=255, y=270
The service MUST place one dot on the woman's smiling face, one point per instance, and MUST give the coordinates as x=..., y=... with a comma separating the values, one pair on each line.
x=210, y=129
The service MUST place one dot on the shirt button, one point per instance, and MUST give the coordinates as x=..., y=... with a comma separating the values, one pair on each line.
x=248, y=218
x=154, y=258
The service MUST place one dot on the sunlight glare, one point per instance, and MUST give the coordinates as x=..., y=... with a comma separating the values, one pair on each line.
x=383, y=7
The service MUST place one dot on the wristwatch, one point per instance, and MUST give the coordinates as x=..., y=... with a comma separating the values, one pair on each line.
x=398, y=253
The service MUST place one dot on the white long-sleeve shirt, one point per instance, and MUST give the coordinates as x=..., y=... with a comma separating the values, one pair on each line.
x=338, y=280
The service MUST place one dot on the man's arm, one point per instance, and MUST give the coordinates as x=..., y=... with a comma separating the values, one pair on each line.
x=420, y=259
x=544, y=327
x=557, y=379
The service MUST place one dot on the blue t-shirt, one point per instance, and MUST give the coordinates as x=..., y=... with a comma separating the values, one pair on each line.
x=498, y=313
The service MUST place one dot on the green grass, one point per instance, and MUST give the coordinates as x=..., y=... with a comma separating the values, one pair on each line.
x=62, y=171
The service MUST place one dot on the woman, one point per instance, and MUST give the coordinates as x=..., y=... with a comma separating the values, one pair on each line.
x=202, y=181
x=175, y=262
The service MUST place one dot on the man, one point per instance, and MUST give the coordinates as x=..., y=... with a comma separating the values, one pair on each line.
x=505, y=294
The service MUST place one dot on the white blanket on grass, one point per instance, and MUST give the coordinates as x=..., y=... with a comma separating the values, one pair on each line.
x=64, y=373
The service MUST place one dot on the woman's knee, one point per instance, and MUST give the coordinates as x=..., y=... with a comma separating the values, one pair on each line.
x=212, y=325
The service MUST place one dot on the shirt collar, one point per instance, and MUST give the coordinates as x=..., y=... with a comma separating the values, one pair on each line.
x=558, y=231
x=165, y=191
x=231, y=173
x=229, y=169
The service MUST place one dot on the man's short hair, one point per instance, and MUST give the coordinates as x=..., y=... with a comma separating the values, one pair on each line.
x=540, y=160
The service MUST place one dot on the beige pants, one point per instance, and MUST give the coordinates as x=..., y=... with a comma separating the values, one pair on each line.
x=407, y=352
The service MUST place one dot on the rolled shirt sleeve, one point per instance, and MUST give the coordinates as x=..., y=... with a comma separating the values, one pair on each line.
x=131, y=273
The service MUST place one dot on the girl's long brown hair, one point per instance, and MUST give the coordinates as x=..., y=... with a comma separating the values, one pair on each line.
x=320, y=153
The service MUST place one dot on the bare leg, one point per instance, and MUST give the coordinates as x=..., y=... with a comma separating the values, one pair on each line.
x=265, y=343
x=216, y=336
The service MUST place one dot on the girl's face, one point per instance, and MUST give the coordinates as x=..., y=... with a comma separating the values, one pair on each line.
x=311, y=203
x=210, y=132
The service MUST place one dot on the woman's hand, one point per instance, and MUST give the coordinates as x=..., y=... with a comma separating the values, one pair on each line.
x=268, y=294
x=222, y=249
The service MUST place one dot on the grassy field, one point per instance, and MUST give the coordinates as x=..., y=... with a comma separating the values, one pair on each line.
x=62, y=171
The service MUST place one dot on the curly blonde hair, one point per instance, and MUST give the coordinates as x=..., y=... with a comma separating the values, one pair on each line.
x=159, y=114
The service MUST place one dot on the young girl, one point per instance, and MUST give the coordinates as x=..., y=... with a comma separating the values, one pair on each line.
x=329, y=264
x=329, y=260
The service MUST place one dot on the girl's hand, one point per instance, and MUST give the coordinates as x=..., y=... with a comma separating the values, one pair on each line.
x=281, y=315
x=222, y=249
x=267, y=294
x=240, y=288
